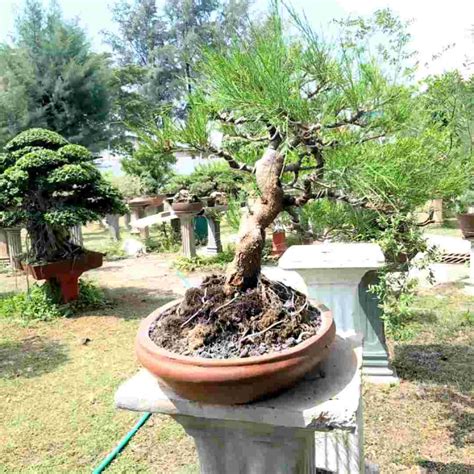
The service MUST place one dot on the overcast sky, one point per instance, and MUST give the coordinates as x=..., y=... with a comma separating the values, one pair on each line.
x=436, y=23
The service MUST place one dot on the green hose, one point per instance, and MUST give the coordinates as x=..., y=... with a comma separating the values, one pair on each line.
x=123, y=442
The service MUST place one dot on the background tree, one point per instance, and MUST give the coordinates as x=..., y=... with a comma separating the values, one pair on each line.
x=157, y=51
x=48, y=186
x=318, y=120
x=50, y=78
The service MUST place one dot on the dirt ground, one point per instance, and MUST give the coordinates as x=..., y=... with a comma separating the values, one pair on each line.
x=57, y=382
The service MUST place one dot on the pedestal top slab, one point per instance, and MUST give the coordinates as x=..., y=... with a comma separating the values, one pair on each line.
x=333, y=255
x=326, y=399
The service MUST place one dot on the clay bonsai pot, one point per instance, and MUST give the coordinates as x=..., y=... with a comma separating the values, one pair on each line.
x=279, y=246
x=187, y=207
x=236, y=380
x=66, y=272
x=147, y=201
x=466, y=224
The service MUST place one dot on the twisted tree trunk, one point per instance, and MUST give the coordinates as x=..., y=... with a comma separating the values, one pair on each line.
x=244, y=271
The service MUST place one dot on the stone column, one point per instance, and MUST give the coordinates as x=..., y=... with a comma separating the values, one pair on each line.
x=14, y=246
x=315, y=425
x=187, y=235
x=76, y=235
x=471, y=263
x=113, y=225
x=214, y=245
x=137, y=213
x=3, y=245
x=332, y=274
x=127, y=218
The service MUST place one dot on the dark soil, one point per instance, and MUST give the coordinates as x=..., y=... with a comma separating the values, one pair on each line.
x=208, y=323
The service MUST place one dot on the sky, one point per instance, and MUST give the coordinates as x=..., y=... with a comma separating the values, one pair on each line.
x=436, y=23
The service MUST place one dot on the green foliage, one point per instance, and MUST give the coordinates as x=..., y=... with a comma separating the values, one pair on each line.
x=215, y=262
x=42, y=302
x=51, y=79
x=158, y=50
x=164, y=240
x=50, y=189
x=207, y=178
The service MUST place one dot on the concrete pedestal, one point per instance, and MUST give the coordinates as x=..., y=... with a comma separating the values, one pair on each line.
x=3, y=245
x=14, y=246
x=333, y=273
x=315, y=425
x=214, y=245
x=113, y=226
x=127, y=219
x=137, y=213
x=76, y=235
x=187, y=235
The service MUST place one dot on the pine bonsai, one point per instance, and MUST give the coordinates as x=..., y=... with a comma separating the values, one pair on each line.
x=49, y=185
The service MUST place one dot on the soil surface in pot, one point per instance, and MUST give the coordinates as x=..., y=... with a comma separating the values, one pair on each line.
x=208, y=323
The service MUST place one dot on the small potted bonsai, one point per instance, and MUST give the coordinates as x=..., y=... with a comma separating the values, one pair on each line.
x=305, y=121
x=465, y=213
x=48, y=186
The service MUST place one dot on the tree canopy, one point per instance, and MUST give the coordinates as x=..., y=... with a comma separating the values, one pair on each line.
x=49, y=185
x=49, y=77
x=316, y=120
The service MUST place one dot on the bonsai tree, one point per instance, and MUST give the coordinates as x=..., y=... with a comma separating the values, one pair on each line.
x=48, y=186
x=312, y=120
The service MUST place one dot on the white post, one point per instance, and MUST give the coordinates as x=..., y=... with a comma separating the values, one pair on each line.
x=471, y=263
x=214, y=245
x=3, y=245
x=127, y=218
x=187, y=235
x=113, y=225
x=76, y=235
x=14, y=246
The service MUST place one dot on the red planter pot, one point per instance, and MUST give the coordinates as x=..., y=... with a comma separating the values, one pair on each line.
x=279, y=246
x=237, y=380
x=466, y=224
x=66, y=272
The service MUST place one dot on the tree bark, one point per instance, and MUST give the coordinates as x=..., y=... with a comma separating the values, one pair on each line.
x=244, y=270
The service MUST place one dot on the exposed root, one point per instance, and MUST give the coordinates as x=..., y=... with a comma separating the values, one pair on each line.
x=260, y=320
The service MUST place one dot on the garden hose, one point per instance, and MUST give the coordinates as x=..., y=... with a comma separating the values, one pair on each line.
x=143, y=419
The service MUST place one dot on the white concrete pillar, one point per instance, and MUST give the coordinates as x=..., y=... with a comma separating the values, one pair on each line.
x=187, y=235
x=3, y=245
x=113, y=226
x=14, y=246
x=76, y=235
x=214, y=245
x=127, y=218
x=471, y=263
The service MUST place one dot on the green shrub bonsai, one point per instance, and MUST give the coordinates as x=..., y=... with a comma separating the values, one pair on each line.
x=48, y=185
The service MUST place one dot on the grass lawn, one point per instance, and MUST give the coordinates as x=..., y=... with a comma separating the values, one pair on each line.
x=57, y=383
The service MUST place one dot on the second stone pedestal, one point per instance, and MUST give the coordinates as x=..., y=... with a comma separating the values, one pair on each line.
x=14, y=246
x=187, y=235
x=334, y=274
x=214, y=245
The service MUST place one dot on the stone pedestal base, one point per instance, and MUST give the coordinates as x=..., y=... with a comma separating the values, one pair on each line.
x=214, y=245
x=137, y=213
x=113, y=225
x=339, y=275
x=187, y=235
x=4, y=255
x=14, y=247
x=315, y=425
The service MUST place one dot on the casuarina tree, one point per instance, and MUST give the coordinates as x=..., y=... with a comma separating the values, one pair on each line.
x=50, y=78
x=49, y=185
x=314, y=119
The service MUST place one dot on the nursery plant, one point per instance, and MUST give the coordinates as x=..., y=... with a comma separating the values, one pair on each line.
x=48, y=185
x=307, y=119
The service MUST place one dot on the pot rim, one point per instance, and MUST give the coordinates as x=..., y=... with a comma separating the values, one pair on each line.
x=145, y=343
x=64, y=260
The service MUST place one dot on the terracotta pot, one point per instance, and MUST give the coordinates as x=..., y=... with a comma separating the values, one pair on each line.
x=279, y=246
x=147, y=201
x=187, y=207
x=466, y=224
x=66, y=272
x=236, y=380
